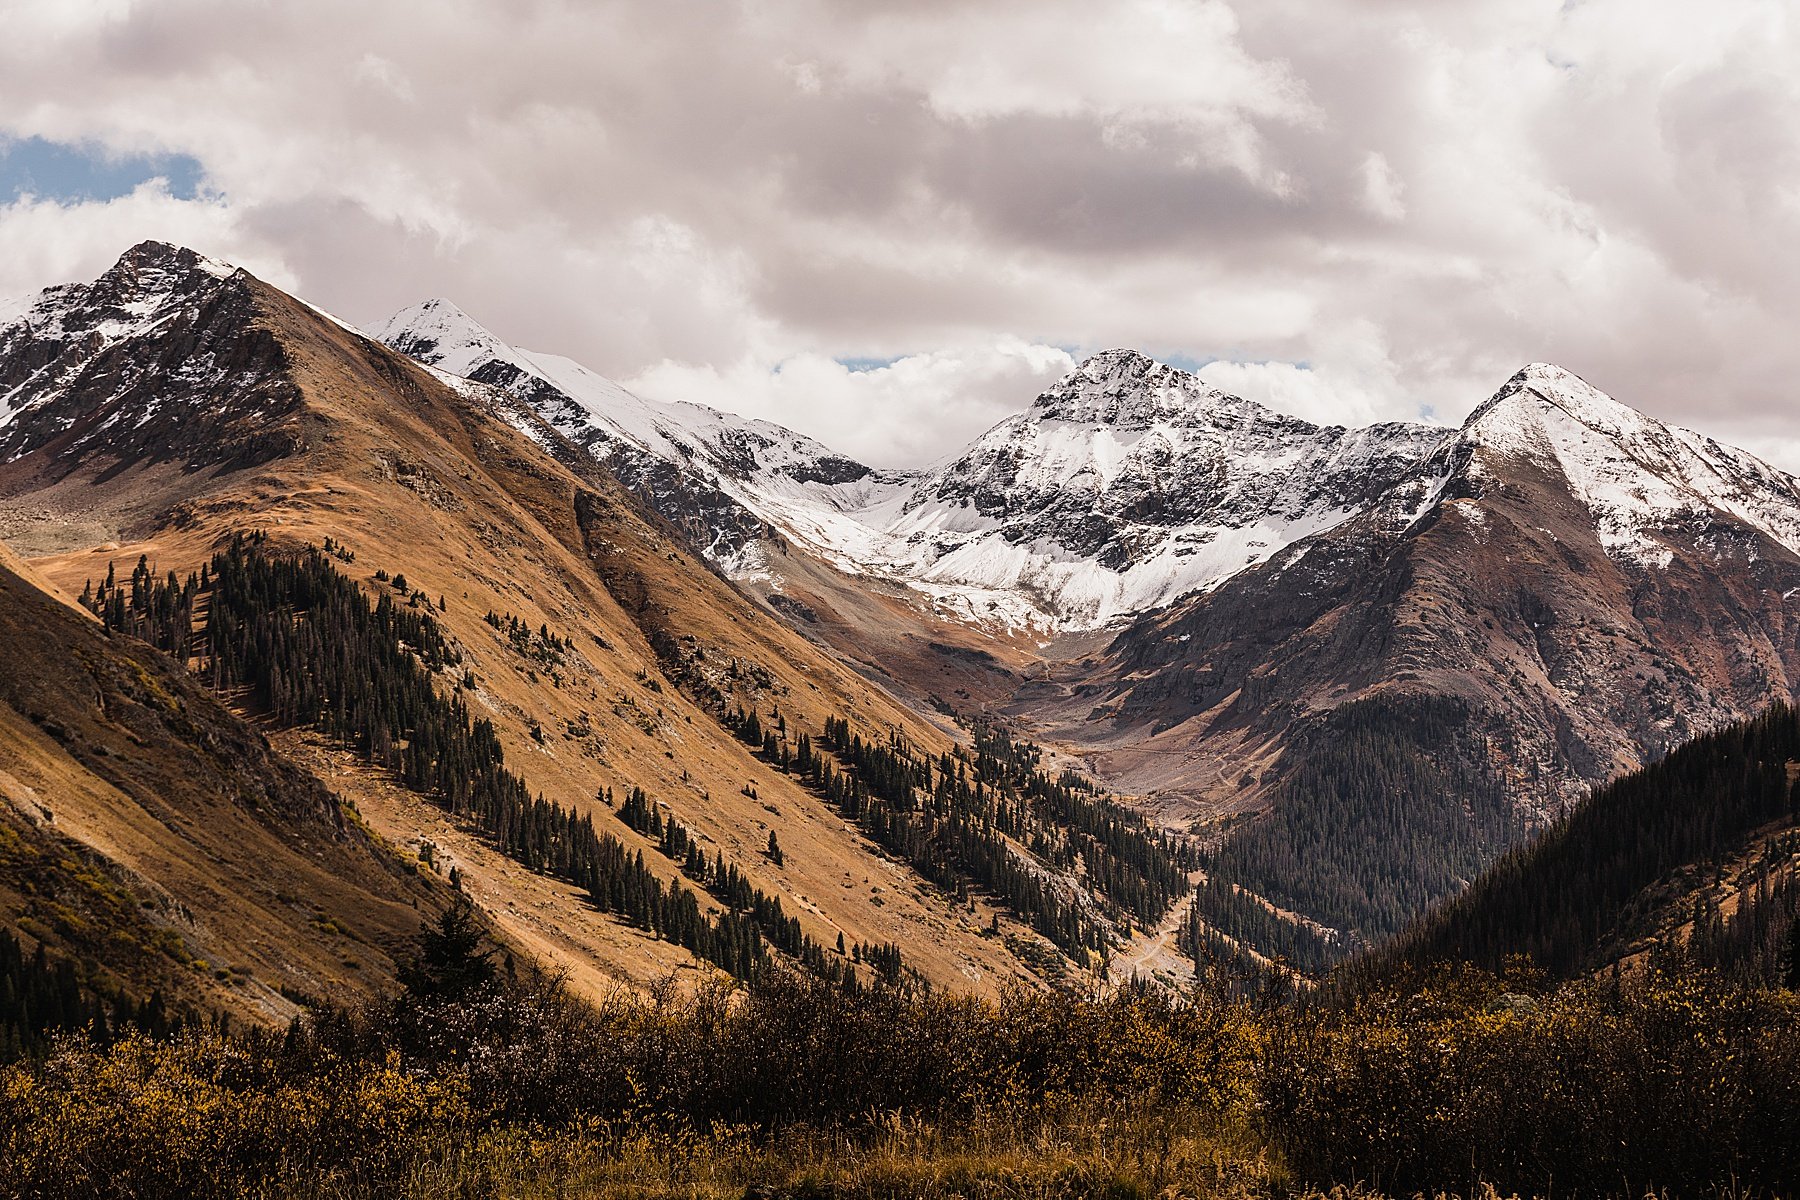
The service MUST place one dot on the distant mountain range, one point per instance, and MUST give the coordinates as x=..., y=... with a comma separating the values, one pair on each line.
x=1557, y=591
x=1126, y=485
x=1352, y=666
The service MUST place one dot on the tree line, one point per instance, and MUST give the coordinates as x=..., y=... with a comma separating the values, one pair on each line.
x=732, y=888
x=1377, y=817
x=1570, y=897
x=1223, y=923
x=309, y=649
x=957, y=820
x=42, y=996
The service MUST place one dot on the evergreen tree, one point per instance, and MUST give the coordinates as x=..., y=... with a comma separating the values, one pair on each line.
x=453, y=959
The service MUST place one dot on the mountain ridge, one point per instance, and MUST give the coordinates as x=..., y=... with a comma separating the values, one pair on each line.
x=1037, y=526
x=914, y=527
x=606, y=656
x=1551, y=600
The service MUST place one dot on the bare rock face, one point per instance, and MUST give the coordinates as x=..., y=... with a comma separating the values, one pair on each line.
x=89, y=369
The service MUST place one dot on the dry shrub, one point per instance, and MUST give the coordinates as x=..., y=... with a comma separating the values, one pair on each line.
x=1668, y=1081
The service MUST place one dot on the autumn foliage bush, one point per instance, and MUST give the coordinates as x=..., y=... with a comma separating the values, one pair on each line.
x=204, y=1116
x=1662, y=1082
x=1676, y=1082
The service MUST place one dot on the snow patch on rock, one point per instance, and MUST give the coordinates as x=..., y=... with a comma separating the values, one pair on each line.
x=1641, y=481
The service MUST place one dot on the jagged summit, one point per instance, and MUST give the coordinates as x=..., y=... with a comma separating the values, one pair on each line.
x=151, y=256
x=145, y=283
x=149, y=277
x=1118, y=367
x=1514, y=415
x=1549, y=374
x=91, y=365
x=1647, y=485
x=1128, y=388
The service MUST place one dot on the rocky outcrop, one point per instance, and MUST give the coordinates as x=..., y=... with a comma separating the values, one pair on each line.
x=86, y=371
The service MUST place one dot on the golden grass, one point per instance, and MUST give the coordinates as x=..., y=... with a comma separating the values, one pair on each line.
x=1181, y=1154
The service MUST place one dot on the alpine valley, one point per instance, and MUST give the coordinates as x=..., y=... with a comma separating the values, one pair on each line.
x=1146, y=675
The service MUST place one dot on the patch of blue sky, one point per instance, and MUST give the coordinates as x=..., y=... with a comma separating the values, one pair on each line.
x=1194, y=364
x=861, y=365
x=72, y=173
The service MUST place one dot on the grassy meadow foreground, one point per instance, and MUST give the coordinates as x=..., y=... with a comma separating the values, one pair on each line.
x=478, y=1083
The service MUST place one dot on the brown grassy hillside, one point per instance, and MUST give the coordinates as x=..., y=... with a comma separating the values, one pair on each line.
x=414, y=479
x=158, y=839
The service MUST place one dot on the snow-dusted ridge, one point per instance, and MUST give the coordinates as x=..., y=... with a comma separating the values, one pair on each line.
x=728, y=474
x=1126, y=485
x=600, y=413
x=1130, y=483
x=1123, y=487
x=152, y=285
x=1638, y=477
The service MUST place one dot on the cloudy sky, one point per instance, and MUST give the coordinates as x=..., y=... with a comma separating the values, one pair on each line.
x=890, y=222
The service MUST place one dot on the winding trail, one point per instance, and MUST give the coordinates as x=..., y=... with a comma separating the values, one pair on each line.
x=1155, y=954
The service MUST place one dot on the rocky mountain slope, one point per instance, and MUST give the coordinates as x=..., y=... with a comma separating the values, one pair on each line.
x=155, y=839
x=605, y=654
x=1561, y=592
x=716, y=476
x=1356, y=664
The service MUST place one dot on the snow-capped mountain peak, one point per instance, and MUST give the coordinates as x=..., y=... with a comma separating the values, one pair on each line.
x=437, y=331
x=146, y=284
x=1639, y=478
x=1514, y=418
x=90, y=365
x=69, y=325
x=1129, y=482
x=1124, y=485
x=1124, y=387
